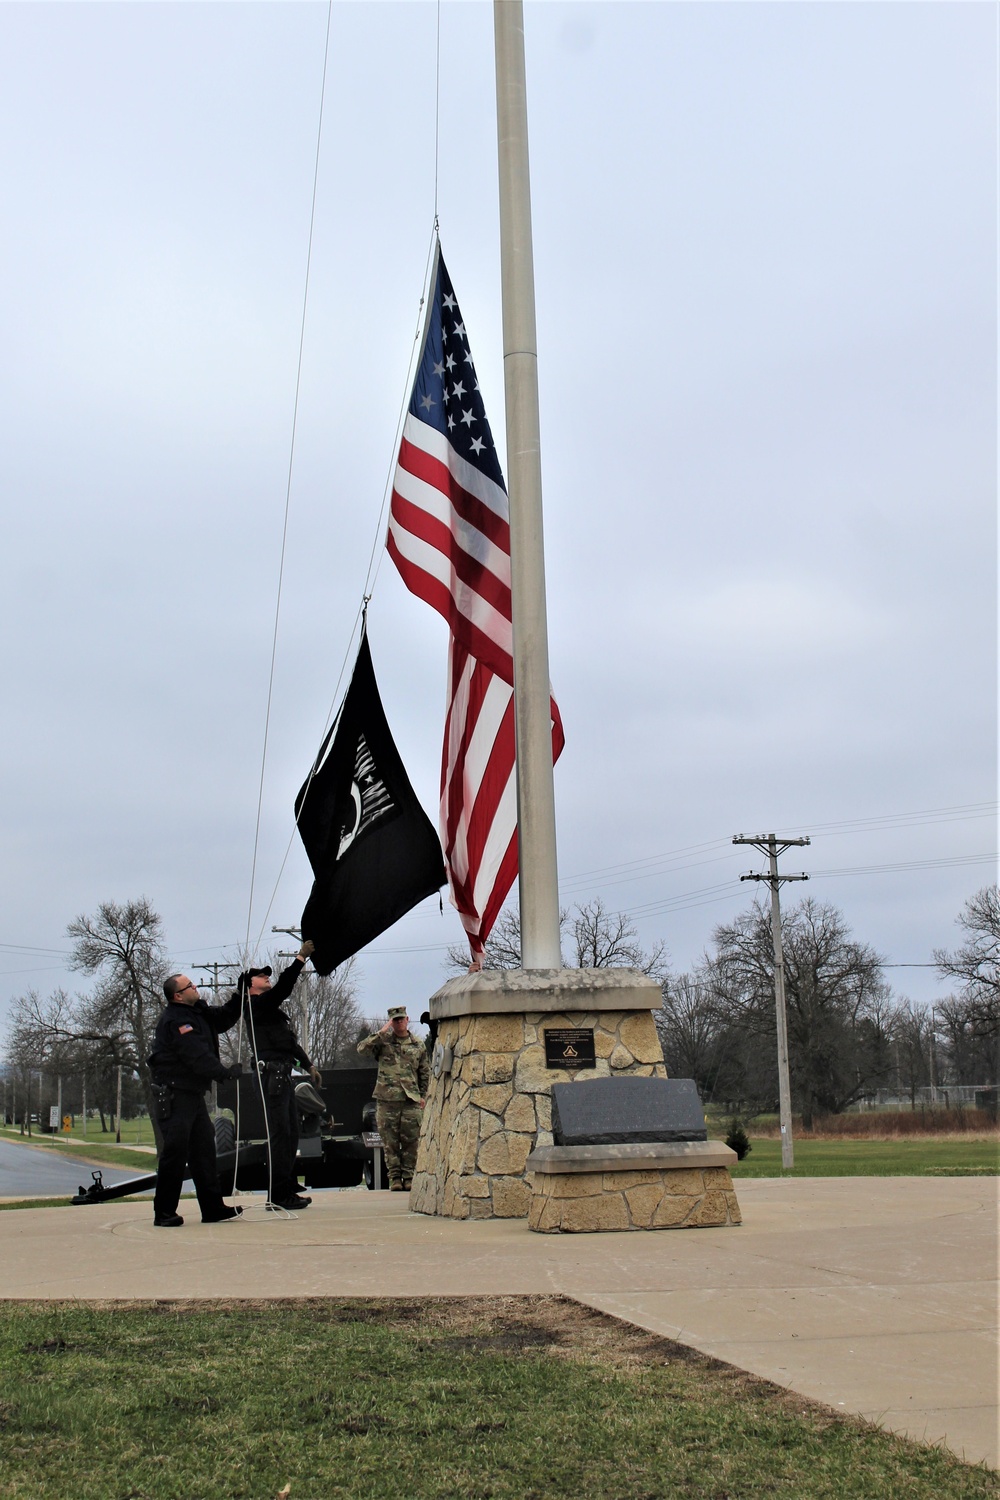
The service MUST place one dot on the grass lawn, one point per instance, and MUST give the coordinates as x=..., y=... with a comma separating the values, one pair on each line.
x=910, y=1156
x=134, y=1133
x=496, y=1399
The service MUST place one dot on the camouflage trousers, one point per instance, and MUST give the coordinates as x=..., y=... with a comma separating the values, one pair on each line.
x=399, y=1127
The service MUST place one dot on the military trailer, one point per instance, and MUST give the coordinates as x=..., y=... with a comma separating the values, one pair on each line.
x=338, y=1141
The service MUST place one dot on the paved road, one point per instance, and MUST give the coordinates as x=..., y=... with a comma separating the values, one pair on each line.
x=37, y=1172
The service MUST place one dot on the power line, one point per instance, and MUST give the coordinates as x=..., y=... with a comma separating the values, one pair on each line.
x=645, y=867
x=33, y=948
x=945, y=862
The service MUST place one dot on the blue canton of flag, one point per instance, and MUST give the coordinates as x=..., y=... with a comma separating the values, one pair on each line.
x=446, y=392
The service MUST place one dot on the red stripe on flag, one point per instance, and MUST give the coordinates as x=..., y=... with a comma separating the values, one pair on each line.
x=474, y=574
x=434, y=593
x=432, y=471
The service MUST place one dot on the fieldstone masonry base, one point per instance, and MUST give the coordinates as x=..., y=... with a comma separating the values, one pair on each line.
x=631, y=1188
x=489, y=1104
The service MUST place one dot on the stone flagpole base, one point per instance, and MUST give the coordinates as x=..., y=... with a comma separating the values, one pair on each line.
x=489, y=1103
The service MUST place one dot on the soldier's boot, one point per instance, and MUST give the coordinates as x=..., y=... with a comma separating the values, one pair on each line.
x=407, y=1185
x=395, y=1185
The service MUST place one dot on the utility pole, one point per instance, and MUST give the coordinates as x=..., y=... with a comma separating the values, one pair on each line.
x=214, y=983
x=768, y=844
x=118, y=1108
x=536, y=815
x=932, y=1060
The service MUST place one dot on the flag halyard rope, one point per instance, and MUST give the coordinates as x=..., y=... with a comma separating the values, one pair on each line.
x=378, y=544
x=288, y=485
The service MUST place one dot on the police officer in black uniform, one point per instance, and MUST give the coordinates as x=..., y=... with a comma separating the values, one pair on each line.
x=275, y=1049
x=183, y=1062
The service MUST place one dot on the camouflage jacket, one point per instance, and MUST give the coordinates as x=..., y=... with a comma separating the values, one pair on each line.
x=403, y=1072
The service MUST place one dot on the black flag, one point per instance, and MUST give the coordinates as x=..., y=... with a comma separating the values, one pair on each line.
x=373, y=849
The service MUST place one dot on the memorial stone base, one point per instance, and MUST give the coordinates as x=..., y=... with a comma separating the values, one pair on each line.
x=595, y=1189
x=489, y=1103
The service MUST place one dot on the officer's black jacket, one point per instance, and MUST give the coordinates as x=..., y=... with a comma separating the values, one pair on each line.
x=272, y=1035
x=186, y=1045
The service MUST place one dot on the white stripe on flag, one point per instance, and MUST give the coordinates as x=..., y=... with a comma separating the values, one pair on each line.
x=437, y=446
x=470, y=605
x=427, y=498
x=503, y=825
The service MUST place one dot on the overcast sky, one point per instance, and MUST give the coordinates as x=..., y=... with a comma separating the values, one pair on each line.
x=765, y=254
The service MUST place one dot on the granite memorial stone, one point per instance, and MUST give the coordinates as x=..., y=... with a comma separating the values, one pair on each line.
x=619, y=1111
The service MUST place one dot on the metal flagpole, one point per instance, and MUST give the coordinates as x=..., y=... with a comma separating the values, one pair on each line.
x=536, y=818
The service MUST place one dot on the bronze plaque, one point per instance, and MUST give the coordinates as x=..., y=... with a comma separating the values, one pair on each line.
x=570, y=1047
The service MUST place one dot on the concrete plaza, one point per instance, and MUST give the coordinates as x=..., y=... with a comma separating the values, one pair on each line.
x=876, y=1296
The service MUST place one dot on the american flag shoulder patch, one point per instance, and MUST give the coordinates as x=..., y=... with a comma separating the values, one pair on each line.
x=183, y=1029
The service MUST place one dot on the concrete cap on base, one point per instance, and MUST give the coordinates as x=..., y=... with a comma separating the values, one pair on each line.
x=494, y=992
x=638, y=1156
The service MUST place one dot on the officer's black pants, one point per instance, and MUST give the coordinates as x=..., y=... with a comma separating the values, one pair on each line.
x=283, y=1138
x=188, y=1145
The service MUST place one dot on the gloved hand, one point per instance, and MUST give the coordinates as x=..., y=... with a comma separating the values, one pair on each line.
x=235, y=1071
x=307, y=949
x=316, y=1076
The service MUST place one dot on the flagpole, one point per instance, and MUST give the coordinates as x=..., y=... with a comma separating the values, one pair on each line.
x=536, y=818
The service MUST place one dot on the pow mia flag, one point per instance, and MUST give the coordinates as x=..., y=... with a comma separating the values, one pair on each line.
x=373, y=849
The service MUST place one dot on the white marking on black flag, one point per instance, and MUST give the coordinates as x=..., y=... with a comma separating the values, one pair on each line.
x=370, y=797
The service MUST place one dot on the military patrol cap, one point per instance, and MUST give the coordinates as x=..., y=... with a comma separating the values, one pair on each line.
x=397, y=1012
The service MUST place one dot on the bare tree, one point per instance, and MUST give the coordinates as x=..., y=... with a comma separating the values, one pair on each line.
x=692, y=1031
x=602, y=939
x=968, y=1050
x=975, y=966
x=503, y=946
x=911, y=1048
x=334, y=1017
x=123, y=946
x=50, y=1036
x=608, y=940
x=835, y=994
x=25, y=1049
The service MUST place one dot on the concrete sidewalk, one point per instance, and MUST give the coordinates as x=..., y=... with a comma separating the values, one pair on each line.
x=874, y=1295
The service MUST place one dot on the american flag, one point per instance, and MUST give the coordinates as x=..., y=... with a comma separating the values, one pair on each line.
x=449, y=536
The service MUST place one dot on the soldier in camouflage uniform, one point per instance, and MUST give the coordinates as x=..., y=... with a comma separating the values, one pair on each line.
x=403, y=1076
